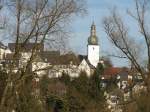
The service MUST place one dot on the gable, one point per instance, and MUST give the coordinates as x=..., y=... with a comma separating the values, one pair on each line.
x=38, y=59
x=84, y=65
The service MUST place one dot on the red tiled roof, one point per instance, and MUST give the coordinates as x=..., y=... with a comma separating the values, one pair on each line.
x=111, y=71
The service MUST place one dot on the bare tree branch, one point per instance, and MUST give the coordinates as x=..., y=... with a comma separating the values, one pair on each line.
x=118, y=33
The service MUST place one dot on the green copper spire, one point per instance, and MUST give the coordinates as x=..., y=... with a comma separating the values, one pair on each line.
x=92, y=40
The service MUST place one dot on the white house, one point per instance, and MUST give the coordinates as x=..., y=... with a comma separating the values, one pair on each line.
x=57, y=70
x=2, y=50
x=40, y=68
x=84, y=66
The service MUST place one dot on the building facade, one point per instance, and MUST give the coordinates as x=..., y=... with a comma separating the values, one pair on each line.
x=93, y=49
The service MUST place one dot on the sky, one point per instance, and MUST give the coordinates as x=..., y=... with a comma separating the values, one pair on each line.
x=97, y=10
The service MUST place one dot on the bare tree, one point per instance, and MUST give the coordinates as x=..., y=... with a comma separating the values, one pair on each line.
x=38, y=21
x=119, y=35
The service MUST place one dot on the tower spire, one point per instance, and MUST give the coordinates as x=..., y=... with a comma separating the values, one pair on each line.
x=93, y=29
x=93, y=47
x=92, y=40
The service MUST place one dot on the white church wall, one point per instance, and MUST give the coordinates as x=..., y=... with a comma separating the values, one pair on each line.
x=93, y=54
x=84, y=67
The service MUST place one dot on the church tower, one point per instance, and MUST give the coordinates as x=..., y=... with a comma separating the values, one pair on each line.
x=93, y=47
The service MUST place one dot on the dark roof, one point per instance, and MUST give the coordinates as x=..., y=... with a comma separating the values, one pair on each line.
x=123, y=74
x=67, y=58
x=27, y=47
x=81, y=57
x=10, y=56
x=2, y=46
x=55, y=58
x=90, y=65
x=50, y=56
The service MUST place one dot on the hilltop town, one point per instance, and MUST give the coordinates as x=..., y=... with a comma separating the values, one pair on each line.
x=37, y=75
x=118, y=82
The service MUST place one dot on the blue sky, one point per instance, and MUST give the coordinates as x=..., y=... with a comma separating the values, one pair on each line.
x=97, y=10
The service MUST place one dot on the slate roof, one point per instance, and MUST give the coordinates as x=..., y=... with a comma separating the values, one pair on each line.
x=55, y=58
x=81, y=57
x=123, y=74
x=50, y=56
x=2, y=46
